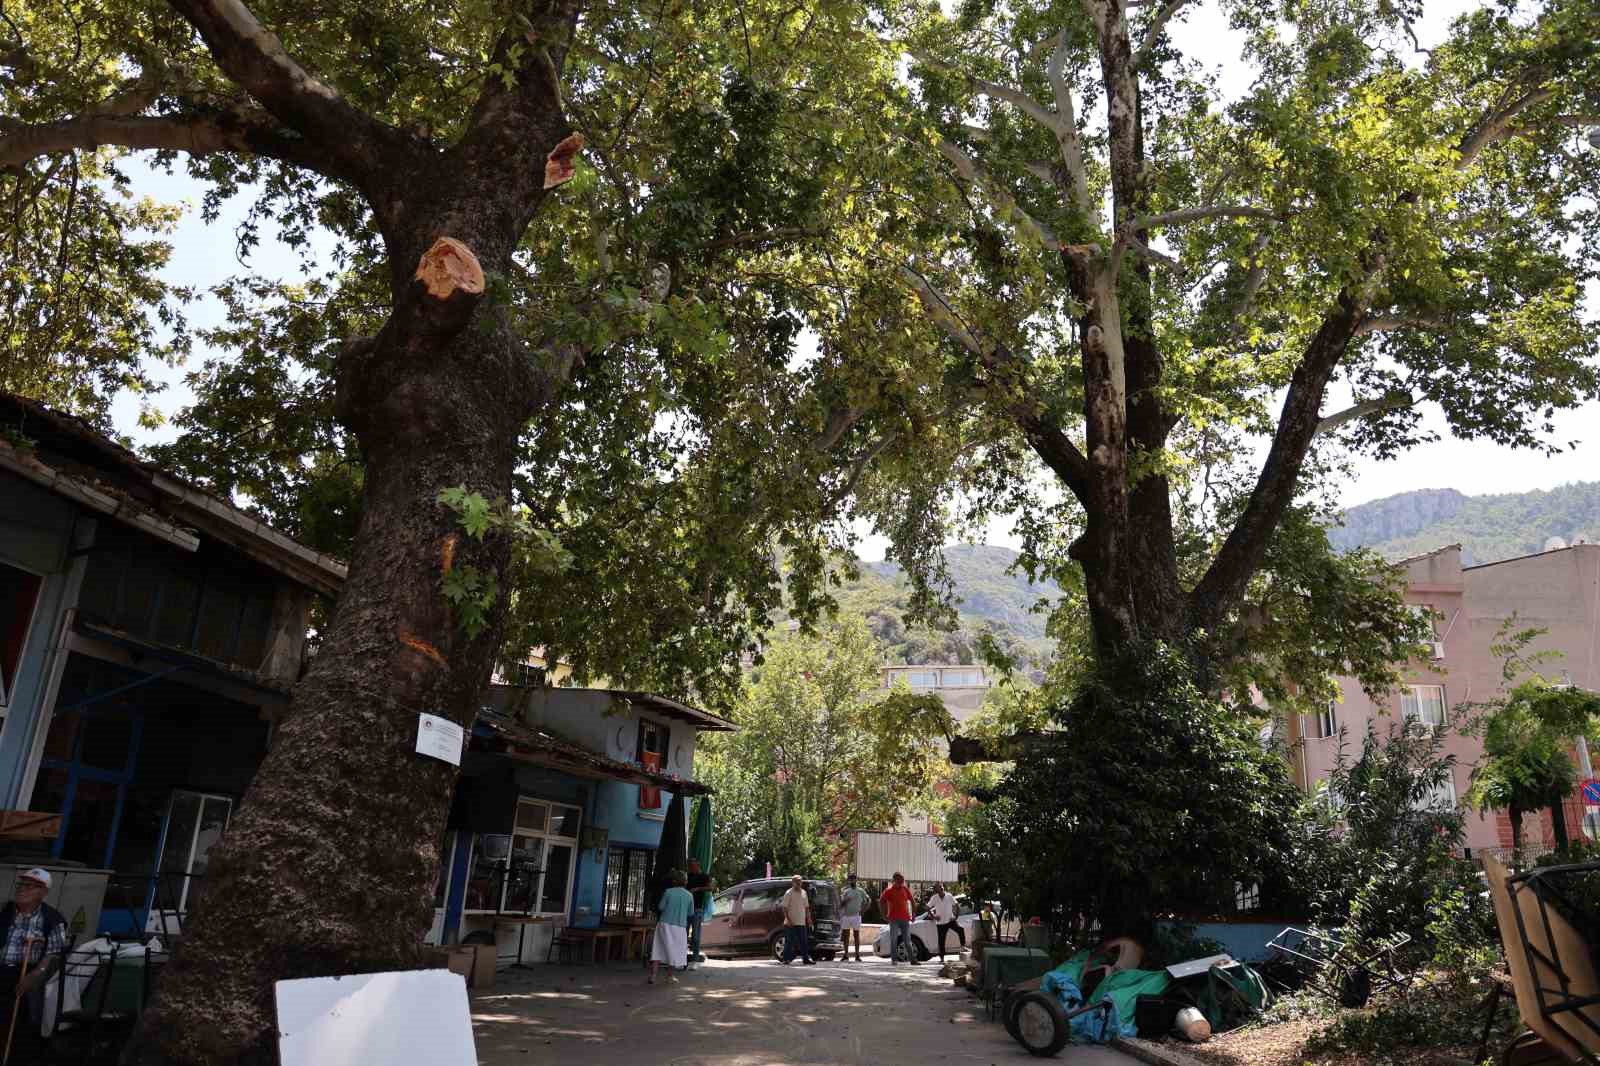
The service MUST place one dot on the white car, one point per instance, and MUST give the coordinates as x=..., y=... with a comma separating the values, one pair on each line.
x=925, y=937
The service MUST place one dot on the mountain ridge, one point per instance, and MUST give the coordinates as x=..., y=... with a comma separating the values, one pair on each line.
x=1489, y=528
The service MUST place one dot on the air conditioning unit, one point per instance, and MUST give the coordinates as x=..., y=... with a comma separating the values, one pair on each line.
x=1436, y=649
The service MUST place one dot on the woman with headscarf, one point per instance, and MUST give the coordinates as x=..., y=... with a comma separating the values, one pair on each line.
x=671, y=944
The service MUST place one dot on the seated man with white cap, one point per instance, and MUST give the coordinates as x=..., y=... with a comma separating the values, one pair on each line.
x=33, y=938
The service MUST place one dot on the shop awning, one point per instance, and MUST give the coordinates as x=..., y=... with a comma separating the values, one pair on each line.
x=499, y=734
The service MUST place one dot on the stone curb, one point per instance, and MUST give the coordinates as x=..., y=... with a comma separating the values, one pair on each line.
x=1153, y=1053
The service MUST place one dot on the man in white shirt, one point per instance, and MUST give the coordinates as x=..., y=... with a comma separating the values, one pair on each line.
x=797, y=923
x=943, y=907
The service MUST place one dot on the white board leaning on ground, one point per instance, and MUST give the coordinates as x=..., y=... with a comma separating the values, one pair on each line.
x=400, y=1018
x=879, y=856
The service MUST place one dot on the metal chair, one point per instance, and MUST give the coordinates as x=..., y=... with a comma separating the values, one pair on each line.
x=564, y=940
x=113, y=998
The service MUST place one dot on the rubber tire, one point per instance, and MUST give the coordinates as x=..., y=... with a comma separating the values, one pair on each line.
x=776, y=944
x=1008, y=1015
x=1355, y=989
x=1029, y=1007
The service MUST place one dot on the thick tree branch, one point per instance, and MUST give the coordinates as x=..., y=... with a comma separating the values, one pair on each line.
x=1298, y=423
x=1495, y=125
x=1010, y=211
x=254, y=133
x=1044, y=435
x=1195, y=214
x=994, y=90
x=1392, y=402
x=1066, y=130
x=1388, y=325
x=1153, y=33
x=253, y=57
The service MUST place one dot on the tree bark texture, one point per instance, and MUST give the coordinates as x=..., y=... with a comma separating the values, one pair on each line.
x=328, y=866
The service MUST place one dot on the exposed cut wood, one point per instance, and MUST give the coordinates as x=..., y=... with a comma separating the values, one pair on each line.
x=450, y=267
x=561, y=165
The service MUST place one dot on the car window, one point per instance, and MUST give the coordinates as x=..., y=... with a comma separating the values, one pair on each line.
x=763, y=897
x=722, y=905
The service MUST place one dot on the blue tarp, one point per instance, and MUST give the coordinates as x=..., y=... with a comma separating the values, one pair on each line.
x=1120, y=990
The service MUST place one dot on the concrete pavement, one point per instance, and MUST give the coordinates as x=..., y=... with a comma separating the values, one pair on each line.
x=745, y=1012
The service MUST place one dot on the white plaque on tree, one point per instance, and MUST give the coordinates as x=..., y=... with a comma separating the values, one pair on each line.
x=439, y=738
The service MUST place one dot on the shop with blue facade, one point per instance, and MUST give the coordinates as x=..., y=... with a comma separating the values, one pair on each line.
x=559, y=812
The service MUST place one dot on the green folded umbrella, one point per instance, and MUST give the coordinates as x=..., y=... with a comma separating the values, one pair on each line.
x=700, y=839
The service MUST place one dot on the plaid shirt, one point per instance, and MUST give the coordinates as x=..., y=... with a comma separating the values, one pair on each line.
x=32, y=925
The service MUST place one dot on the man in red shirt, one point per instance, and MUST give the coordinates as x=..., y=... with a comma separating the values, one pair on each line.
x=896, y=903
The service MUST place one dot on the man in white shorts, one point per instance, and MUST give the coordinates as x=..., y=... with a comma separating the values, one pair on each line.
x=852, y=904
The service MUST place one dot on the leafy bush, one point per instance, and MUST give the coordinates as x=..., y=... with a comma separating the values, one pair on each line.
x=1375, y=850
x=1150, y=797
x=1419, y=1021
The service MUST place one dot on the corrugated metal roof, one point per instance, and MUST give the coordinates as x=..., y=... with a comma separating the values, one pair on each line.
x=879, y=856
x=503, y=735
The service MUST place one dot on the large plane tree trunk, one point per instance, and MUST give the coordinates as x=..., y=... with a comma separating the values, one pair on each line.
x=329, y=864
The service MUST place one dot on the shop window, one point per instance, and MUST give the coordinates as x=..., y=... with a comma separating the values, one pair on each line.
x=528, y=870
x=628, y=872
x=557, y=877
x=195, y=822
x=19, y=594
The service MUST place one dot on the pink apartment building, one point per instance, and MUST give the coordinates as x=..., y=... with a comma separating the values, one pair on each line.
x=1558, y=591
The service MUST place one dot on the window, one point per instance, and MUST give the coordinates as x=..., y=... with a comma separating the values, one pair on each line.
x=195, y=822
x=19, y=591
x=763, y=897
x=628, y=873
x=1328, y=720
x=529, y=870
x=963, y=678
x=922, y=678
x=1442, y=797
x=652, y=756
x=722, y=905
x=1246, y=897
x=1424, y=704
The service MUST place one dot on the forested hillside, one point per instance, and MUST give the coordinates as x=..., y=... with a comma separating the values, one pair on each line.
x=1488, y=528
x=989, y=598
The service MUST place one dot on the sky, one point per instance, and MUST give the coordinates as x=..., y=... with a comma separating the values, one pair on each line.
x=204, y=254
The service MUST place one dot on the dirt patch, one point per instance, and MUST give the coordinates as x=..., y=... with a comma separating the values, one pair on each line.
x=1285, y=1045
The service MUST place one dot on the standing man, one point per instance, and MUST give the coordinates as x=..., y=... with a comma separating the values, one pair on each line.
x=701, y=888
x=797, y=923
x=33, y=934
x=852, y=905
x=943, y=906
x=896, y=904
